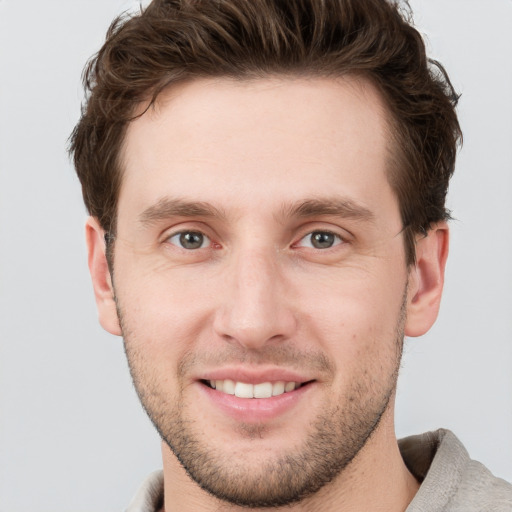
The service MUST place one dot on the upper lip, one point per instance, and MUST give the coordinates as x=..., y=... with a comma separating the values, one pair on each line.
x=254, y=375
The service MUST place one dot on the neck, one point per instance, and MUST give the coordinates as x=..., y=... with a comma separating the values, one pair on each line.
x=377, y=479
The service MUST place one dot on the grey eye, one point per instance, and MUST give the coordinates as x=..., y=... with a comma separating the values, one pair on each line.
x=320, y=240
x=190, y=240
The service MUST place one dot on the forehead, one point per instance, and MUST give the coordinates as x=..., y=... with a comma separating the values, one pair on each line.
x=223, y=141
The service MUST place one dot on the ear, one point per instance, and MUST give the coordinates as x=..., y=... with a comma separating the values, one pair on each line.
x=426, y=280
x=101, y=279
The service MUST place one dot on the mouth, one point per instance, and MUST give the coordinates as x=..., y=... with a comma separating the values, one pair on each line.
x=252, y=397
x=247, y=390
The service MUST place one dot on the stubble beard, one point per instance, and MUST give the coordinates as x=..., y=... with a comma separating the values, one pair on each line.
x=334, y=439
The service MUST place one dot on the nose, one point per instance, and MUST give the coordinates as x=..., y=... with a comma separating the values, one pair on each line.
x=255, y=305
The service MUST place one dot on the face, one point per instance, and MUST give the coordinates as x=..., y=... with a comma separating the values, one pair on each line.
x=260, y=279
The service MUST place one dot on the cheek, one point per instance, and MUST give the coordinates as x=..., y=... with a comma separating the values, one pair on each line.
x=163, y=311
x=355, y=314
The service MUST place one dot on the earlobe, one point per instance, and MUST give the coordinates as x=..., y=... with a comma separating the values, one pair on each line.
x=100, y=275
x=426, y=280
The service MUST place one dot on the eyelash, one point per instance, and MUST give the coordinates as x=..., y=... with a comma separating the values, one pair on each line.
x=188, y=232
x=338, y=239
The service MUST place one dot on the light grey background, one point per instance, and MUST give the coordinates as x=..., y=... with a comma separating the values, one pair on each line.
x=72, y=435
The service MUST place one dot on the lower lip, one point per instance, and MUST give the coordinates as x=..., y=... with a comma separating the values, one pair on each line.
x=255, y=410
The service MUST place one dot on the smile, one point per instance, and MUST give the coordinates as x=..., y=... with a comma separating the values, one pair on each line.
x=245, y=390
x=254, y=397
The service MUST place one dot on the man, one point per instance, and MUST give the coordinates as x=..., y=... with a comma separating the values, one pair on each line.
x=266, y=182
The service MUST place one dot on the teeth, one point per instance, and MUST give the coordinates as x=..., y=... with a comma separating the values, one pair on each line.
x=228, y=387
x=262, y=390
x=243, y=390
x=290, y=386
x=278, y=388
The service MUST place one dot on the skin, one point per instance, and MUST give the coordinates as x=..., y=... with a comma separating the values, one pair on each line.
x=256, y=167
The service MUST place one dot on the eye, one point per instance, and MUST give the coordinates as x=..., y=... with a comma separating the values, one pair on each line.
x=190, y=240
x=320, y=240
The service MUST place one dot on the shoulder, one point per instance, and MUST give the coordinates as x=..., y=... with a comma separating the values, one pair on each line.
x=150, y=495
x=482, y=489
x=451, y=480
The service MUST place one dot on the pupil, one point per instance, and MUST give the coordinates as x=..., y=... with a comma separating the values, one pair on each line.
x=322, y=240
x=191, y=240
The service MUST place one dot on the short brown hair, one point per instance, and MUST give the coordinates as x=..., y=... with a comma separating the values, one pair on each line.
x=173, y=41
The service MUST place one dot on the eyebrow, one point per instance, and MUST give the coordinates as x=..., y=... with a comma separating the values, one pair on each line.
x=338, y=207
x=167, y=208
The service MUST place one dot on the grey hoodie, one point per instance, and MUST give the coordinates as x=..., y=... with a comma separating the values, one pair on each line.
x=451, y=481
